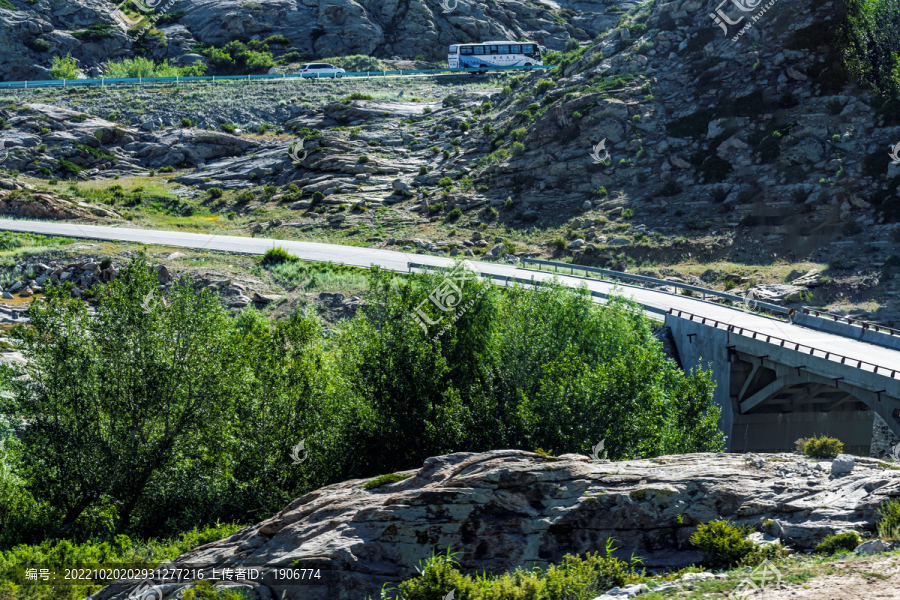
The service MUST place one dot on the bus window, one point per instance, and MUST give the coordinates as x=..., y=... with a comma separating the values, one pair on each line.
x=527, y=49
x=515, y=49
x=478, y=49
x=465, y=50
x=453, y=49
x=493, y=49
x=502, y=49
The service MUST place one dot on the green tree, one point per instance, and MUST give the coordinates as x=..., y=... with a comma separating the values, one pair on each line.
x=116, y=397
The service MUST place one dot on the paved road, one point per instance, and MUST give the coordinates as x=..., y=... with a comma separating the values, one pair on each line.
x=653, y=300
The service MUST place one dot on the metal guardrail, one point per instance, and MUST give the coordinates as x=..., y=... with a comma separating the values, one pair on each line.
x=606, y=273
x=839, y=318
x=845, y=360
x=66, y=83
x=522, y=280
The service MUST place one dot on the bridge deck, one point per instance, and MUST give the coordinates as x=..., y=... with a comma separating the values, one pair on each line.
x=654, y=300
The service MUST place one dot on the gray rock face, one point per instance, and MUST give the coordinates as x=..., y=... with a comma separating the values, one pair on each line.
x=842, y=465
x=870, y=547
x=508, y=508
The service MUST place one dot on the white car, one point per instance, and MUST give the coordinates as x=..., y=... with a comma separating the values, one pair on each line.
x=321, y=70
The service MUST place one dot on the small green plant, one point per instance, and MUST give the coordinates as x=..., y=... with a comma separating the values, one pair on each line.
x=517, y=149
x=723, y=544
x=599, y=191
x=384, y=480
x=559, y=243
x=187, y=123
x=423, y=170
x=889, y=520
x=231, y=215
x=848, y=541
x=215, y=192
x=546, y=454
x=446, y=154
x=363, y=159
x=627, y=213
x=277, y=256
x=63, y=68
x=454, y=214
x=487, y=129
x=822, y=447
x=445, y=182
x=464, y=127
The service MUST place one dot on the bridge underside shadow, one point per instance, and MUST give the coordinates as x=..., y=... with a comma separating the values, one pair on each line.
x=771, y=395
x=775, y=405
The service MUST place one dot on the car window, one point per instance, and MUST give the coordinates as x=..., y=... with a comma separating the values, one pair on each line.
x=304, y=66
x=328, y=66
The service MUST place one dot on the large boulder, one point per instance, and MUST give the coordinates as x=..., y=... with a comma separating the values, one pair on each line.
x=508, y=508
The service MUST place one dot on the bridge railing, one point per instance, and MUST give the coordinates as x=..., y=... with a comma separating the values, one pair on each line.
x=744, y=331
x=848, y=320
x=609, y=274
x=507, y=278
x=66, y=83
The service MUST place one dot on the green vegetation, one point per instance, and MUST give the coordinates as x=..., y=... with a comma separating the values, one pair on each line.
x=889, y=520
x=847, y=541
x=357, y=63
x=293, y=274
x=384, y=480
x=820, y=447
x=56, y=554
x=868, y=44
x=64, y=68
x=723, y=544
x=199, y=425
x=574, y=577
x=237, y=58
x=277, y=256
x=94, y=33
x=215, y=192
x=145, y=67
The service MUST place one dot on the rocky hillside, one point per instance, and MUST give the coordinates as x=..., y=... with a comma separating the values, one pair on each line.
x=94, y=32
x=511, y=508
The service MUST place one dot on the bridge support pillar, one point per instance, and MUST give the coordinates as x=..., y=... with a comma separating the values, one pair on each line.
x=704, y=347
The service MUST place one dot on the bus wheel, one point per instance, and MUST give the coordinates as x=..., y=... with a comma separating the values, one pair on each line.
x=527, y=65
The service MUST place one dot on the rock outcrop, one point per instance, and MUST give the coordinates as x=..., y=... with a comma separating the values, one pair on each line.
x=510, y=508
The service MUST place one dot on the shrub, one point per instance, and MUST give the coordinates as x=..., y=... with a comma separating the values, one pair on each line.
x=559, y=243
x=363, y=159
x=464, y=127
x=627, y=213
x=543, y=85
x=228, y=127
x=445, y=182
x=423, y=170
x=41, y=45
x=517, y=149
x=454, y=214
x=215, y=192
x=316, y=198
x=573, y=577
x=487, y=129
x=848, y=541
x=599, y=191
x=277, y=256
x=446, y=154
x=723, y=544
x=187, y=123
x=64, y=68
x=519, y=134
x=889, y=520
x=68, y=167
x=822, y=447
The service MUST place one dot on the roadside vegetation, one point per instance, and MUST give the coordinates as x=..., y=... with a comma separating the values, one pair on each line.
x=223, y=399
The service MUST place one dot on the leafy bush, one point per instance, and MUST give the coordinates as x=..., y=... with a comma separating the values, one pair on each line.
x=445, y=182
x=356, y=96
x=363, y=159
x=559, y=243
x=69, y=168
x=723, y=544
x=822, y=447
x=868, y=44
x=599, y=191
x=215, y=192
x=276, y=256
x=573, y=577
x=542, y=86
x=848, y=541
x=454, y=214
x=517, y=149
x=357, y=63
x=237, y=58
x=64, y=68
x=627, y=213
x=228, y=127
x=889, y=520
x=145, y=67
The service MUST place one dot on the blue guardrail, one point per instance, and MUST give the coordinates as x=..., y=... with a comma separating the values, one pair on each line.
x=66, y=83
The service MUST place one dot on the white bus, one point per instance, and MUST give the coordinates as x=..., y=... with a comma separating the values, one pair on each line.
x=495, y=54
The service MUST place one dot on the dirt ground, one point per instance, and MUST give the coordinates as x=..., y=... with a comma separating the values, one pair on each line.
x=877, y=578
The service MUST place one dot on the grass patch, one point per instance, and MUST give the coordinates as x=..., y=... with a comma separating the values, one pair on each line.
x=384, y=480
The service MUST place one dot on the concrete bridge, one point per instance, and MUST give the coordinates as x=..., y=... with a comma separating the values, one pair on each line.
x=778, y=379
